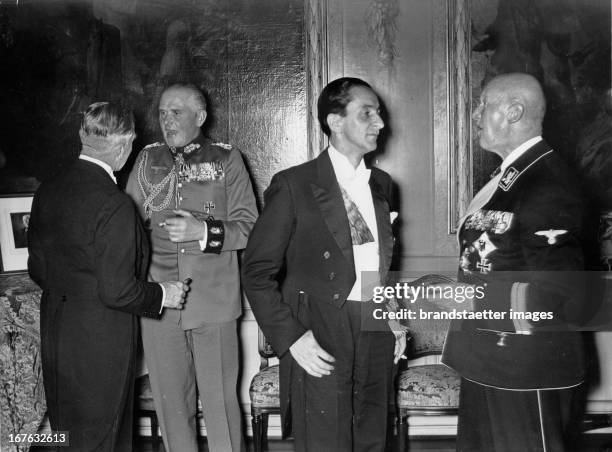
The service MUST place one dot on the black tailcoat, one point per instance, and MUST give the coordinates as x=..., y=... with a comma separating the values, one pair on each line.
x=302, y=242
x=89, y=253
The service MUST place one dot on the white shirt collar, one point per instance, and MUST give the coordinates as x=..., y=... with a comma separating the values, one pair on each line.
x=105, y=166
x=516, y=153
x=345, y=172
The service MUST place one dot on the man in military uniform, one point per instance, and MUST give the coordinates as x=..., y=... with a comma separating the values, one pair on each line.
x=521, y=241
x=198, y=201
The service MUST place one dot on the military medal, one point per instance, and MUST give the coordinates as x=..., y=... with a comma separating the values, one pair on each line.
x=209, y=206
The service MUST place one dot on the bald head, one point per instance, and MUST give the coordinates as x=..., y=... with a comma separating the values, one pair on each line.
x=510, y=112
x=525, y=90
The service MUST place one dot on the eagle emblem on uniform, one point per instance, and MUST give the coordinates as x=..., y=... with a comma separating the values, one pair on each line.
x=551, y=234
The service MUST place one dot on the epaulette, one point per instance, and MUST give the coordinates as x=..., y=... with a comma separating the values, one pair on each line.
x=153, y=145
x=223, y=145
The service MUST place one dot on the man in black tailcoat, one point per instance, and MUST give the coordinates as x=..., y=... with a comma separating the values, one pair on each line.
x=89, y=253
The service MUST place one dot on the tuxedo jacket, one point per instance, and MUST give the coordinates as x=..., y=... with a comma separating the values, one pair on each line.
x=88, y=252
x=523, y=248
x=302, y=243
x=212, y=183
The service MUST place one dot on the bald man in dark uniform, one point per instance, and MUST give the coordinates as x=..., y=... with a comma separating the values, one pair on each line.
x=521, y=240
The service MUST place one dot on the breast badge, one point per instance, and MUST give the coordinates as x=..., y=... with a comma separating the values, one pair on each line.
x=495, y=221
x=209, y=206
x=551, y=235
x=474, y=258
x=202, y=172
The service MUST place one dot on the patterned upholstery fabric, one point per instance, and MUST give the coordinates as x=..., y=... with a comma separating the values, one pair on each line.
x=428, y=386
x=427, y=337
x=22, y=398
x=264, y=389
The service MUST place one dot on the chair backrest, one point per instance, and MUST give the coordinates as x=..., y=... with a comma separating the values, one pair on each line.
x=427, y=335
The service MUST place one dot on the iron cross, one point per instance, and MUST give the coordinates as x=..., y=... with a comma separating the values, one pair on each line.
x=209, y=206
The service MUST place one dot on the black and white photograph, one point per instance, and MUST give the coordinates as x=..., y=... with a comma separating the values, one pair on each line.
x=306, y=225
x=14, y=221
x=20, y=222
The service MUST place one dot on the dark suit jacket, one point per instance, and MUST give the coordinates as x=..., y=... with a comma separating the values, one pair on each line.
x=89, y=254
x=302, y=242
x=524, y=247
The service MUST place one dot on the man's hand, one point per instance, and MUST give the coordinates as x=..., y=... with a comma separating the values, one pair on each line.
x=310, y=356
x=184, y=227
x=400, y=346
x=175, y=294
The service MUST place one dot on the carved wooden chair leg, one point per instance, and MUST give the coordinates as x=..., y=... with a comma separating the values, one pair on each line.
x=264, y=431
x=155, y=438
x=257, y=424
x=402, y=432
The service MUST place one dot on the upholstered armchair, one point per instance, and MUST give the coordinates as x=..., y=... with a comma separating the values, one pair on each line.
x=264, y=393
x=425, y=389
x=22, y=398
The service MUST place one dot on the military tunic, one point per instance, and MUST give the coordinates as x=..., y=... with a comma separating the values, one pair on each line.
x=210, y=181
x=199, y=342
x=523, y=247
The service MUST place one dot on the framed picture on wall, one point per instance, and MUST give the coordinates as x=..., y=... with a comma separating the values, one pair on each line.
x=14, y=223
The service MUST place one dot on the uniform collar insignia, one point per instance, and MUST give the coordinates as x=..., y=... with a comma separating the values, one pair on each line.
x=185, y=149
x=191, y=147
x=523, y=163
x=508, y=178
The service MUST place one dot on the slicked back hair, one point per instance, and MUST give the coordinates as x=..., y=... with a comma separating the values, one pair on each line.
x=335, y=97
x=107, y=118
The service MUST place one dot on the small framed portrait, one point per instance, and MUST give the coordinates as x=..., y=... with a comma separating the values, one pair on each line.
x=14, y=223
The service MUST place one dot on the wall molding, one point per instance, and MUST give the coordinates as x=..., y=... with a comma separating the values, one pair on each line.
x=315, y=17
x=460, y=106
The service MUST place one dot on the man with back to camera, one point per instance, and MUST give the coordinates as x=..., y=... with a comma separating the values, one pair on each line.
x=324, y=223
x=196, y=196
x=89, y=253
x=523, y=231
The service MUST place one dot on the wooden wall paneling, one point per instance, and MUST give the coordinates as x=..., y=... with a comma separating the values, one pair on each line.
x=408, y=69
x=267, y=87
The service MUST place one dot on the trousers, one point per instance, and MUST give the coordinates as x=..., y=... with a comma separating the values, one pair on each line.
x=349, y=409
x=178, y=362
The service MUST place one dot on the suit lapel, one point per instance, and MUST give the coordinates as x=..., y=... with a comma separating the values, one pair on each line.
x=326, y=192
x=383, y=223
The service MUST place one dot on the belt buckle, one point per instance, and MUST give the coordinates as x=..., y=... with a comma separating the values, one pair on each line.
x=501, y=342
